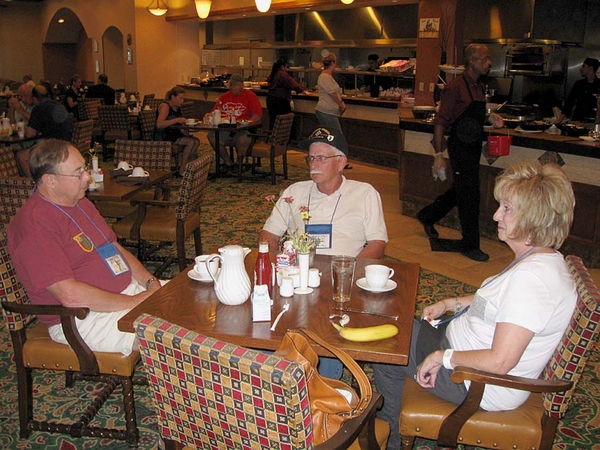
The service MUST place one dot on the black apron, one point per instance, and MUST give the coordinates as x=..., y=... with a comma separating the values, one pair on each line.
x=466, y=136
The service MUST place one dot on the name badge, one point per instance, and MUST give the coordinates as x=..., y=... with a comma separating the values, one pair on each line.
x=322, y=232
x=113, y=259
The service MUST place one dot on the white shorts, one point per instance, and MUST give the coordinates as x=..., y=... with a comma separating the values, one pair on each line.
x=99, y=329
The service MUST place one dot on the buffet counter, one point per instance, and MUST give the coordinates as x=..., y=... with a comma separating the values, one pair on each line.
x=369, y=124
x=581, y=161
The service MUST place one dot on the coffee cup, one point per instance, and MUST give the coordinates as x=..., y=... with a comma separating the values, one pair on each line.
x=191, y=121
x=124, y=165
x=287, y=287
x=201, y=269
x=139, y=172
x=377, y=275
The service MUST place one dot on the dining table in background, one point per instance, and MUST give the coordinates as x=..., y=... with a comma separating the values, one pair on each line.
x=15, y=139
x=218, y=129
x=194, y=305
x=110, y=189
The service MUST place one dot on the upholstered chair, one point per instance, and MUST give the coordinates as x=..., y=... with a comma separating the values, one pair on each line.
x=82, y=136
x=14, y=192
x=8, y=163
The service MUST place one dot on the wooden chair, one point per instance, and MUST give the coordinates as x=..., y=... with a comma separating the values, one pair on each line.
x=533, y=424
x=169, y=221
x=8, y=163
x=82, y=135
x=14, y=192
x=273, y=146
x=226, y=396
x=147, y=120
x=34, y=350
x=115, y=124
x=151, y=155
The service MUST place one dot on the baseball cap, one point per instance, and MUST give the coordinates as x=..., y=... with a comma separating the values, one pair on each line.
x=235, y=79
x=334, y=138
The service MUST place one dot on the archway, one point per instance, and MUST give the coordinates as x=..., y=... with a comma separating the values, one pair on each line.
x=67, y=49
x=113, y=57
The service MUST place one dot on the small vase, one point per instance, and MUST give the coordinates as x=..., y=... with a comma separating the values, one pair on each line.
x=304, y=266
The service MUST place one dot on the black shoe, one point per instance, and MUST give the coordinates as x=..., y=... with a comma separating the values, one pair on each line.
x=430, y=230
x=476, y=255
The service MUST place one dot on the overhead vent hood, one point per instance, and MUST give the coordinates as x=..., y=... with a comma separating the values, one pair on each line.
x=538, y=22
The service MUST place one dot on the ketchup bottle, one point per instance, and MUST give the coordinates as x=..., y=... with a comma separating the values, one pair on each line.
x=263, y=271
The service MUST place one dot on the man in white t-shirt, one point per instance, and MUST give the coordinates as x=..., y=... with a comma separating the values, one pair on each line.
x=346, y=215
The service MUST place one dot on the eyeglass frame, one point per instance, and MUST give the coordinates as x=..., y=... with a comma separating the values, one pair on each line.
x=320, y=159
x=84, y=170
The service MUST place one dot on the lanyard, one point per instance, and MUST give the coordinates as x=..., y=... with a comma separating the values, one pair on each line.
x=334, y=209
x=506, y=269
x=75, y=222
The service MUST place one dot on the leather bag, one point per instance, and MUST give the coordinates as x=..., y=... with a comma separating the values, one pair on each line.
x=331, y=401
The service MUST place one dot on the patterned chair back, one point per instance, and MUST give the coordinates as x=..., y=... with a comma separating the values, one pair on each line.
x=187, y=110
x=146, y=98
x=11, y=289
x=151, y=155
x=82, y=135
x=8, y=163
x=14, y=192
x=154, y=103
x=212, y=394
x=114, y=118
x=88, y=108
x=148, y=124
x=572, y=353
x=282, y=128
x=195, y=180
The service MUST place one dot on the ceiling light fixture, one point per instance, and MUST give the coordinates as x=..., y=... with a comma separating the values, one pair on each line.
x=347, y=2
x=203, y=8
x=263, y=5
x=158, y=9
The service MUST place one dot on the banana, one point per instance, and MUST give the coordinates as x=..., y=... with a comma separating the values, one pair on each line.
x=367, y=334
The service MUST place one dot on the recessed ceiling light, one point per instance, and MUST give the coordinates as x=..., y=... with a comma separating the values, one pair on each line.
x=61, y=20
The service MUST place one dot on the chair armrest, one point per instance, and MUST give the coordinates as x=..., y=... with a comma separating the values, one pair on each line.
x=462, y=373
x=148, y=202
x=87, y=360
x=452, y=424
x=362, y=426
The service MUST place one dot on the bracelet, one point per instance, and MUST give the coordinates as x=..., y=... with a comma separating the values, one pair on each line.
x=149, y=282
x=457, y=306
x=446, y=359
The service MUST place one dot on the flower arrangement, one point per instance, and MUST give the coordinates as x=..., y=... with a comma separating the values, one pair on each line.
x=303, y=243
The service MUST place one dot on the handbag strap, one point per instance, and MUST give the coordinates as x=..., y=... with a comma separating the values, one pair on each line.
x=366, y=391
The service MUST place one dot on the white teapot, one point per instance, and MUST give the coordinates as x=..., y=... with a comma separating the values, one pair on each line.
x=232, y=284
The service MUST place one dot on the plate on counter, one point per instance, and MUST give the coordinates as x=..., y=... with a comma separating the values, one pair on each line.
x=588, y=139
x=521, y=130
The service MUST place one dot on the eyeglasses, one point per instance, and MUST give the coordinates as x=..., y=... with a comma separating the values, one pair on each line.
x=78, y=175
x=319, y=159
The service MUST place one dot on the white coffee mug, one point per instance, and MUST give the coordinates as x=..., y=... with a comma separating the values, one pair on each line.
x=124, y=165
x=377, y=275
x=140, y=172
x=200, y=266
x=191, y=121
x=295, y=279
x=287, y=287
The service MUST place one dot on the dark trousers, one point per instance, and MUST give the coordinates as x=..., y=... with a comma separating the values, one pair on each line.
x=389, y=380
x=465, y=194
x=277, y=106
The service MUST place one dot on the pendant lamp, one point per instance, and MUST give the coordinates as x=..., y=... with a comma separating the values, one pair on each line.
x=203, y=8
x=263, y=5
x=158, y=8
x=347, y=2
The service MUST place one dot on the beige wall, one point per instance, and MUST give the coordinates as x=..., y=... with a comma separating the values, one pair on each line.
x=20, y=39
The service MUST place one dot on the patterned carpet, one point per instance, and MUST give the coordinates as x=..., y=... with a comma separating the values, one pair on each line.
x=233, y=213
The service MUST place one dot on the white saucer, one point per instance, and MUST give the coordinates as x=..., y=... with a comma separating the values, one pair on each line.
x=521, y=130
x=137, y=176
x=362, y=283
x=196, y=276
x=301, y=291
x=587, y=138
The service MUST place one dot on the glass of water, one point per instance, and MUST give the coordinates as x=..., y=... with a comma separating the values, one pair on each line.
x=342, y=279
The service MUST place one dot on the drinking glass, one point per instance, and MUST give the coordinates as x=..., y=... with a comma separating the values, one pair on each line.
x=342, y=279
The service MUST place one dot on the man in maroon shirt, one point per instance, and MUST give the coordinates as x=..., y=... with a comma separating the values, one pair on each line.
x=461, y=115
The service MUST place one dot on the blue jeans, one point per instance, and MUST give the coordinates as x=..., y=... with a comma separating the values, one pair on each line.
x=330, y=367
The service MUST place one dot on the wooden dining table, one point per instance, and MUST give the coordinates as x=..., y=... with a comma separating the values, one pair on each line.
x=111, y=189
x=194, y=305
